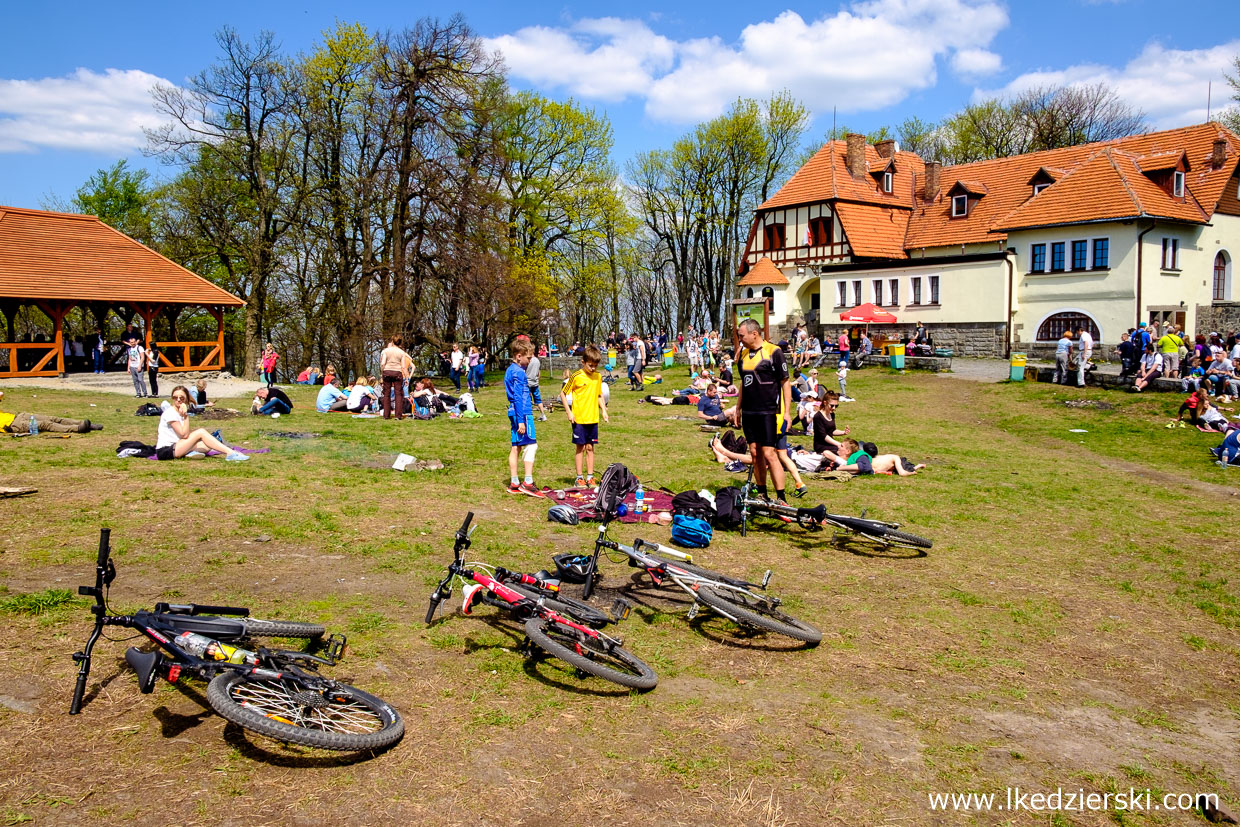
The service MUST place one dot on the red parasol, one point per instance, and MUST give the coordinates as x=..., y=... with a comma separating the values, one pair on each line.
x=868, y=313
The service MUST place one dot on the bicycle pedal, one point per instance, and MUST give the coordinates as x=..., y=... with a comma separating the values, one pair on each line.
x=333, y=648
x=620, y=610
x=693, y=611
x=766, y=578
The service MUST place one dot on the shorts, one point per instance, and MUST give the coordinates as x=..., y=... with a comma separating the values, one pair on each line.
x=759, y=429
x=1172, y=362
x=536, y=394
x=528, y=438
x=167, y=452
x=585, y=434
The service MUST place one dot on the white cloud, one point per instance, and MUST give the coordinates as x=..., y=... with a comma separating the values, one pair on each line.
x=865, y=57
x=93, y=111
x=976, y=63
x=1169, y=85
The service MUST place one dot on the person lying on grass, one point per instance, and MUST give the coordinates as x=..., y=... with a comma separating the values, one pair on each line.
x=727, y=456
x=19, y=423
x=868, y=461
x=175, y=440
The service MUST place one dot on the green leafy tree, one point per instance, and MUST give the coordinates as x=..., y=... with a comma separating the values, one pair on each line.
x=122, y=198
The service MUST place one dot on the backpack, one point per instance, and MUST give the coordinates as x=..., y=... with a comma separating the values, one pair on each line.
x=147, y=409
x=692, y=504
x=727, y=509
x=691, y=532
x=616, y=483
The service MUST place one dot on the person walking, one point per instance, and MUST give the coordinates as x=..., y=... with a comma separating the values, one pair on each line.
x=455, y=360
x=392, y=363
x=270, y=357
x=764, y=398
x=152, y=367
x=1063, y=355
x=136, y=362
x=98, y=348
x=1085, y=346
x=472, y=369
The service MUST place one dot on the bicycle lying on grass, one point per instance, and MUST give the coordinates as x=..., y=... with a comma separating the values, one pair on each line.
x=885, y=534
x=558, y=626
x=272, y=692
x=729, y=597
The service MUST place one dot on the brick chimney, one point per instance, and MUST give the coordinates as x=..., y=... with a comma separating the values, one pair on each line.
x=931, y=188
x=854, y=157
x=886, y=148
x=1219, y=156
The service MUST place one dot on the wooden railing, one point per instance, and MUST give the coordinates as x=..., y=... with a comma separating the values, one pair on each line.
x=40, y=368
x=213, y=360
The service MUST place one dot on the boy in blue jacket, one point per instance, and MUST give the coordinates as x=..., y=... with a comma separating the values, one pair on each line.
x=521, y=418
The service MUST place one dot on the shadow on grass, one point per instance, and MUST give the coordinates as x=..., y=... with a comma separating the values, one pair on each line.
x=854, y=545
x=237, y=738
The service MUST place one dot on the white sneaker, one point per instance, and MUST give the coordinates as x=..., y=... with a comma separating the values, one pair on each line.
x=195, y=455
x=847, y=399
x=237, y=456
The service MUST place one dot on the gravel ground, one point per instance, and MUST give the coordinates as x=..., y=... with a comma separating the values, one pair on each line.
x=120, y=383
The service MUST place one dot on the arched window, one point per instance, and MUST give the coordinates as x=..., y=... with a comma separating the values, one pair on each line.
x=749, y=292
x=1220, y=277
x=768, y=292
x=1054, y=326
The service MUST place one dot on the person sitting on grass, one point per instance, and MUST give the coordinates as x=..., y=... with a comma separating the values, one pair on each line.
x=1228, y=450
x=309, y=376
x=198, y=397
x=427, y=396
x=175, y=440
x=1151, y=368
x=709, y=408
x=1211, y=419
x=1196, y=402
x=825, y=430
x=271, y=400
x=19, y=423
x=738, y=460
x=866, y=460
x=362, y=397
x=331, y=398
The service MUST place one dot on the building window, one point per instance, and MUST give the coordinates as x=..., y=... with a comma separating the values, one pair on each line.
x=915, y=288
x=894, y=291
x=749, y=292
x=1055, y=326
x=842, y=286
x=774, y=236
x=820, y=231
x=1177, y=187
x=960, y=205
x=934, y=289
x=768, y=292
x=887, y=182
x=1039, y=187
x=856, y=293
x=1102, y=253
x=878, y=292
x=1220, y=278
x=1057, y=250
x=1080, y=255
x=1171, y=254
x=1037, y=258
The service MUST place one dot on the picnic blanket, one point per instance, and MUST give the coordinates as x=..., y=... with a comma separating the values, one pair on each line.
x=582, y=501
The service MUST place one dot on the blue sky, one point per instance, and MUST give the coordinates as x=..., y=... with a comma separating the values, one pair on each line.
x=74, y=76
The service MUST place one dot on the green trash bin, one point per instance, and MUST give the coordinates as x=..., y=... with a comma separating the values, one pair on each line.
x=1017, y=373
x=897, y=356
x=669, y=358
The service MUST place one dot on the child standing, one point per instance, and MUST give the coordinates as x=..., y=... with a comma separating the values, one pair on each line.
x=521, y=418
x=585, y=387
x=842, y=375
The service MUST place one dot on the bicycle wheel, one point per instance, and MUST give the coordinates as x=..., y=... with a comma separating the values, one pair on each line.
x=576, y=609
x=752, y=611
x=701, y=572
x=881, y=533
x=590, y=655
x=336, y=717
x=283, y=628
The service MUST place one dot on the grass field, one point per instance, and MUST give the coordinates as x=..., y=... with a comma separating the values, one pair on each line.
x=1076, y=625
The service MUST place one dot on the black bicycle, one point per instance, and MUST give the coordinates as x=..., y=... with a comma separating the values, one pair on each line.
x=550, y=623
x=275, y=693
x=876, y=531
x=730, y=597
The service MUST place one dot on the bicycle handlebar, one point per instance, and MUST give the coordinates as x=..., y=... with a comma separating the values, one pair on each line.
x=463, y=532
x=105, y=548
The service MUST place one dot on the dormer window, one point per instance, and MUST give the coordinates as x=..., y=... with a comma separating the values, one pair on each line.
x=1044, y=177
x=960, y=206
x=887, y=182
x=1177, y=185
x=1039, y=187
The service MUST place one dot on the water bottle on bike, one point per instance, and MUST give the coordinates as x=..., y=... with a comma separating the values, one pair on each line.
x=208, y=649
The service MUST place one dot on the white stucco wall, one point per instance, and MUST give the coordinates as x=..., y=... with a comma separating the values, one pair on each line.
x=973, y=291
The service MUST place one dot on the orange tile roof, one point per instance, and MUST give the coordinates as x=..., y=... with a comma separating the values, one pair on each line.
x=763, y=273
x=1006, y=182
x=60, y=256
x=825, y=176
x=874, y=232
x=971, y=187
x=1161, y=161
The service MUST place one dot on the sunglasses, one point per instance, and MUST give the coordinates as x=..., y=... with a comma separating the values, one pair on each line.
x=181, y=397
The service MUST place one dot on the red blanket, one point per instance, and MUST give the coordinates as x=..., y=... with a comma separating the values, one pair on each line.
x=582, y=500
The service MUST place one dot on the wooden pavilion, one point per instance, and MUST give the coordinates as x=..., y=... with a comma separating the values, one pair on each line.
x=58, y=261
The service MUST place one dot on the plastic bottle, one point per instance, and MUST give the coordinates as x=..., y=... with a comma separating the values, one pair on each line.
x=208, y=649
x=641, y=500
x=34, y=426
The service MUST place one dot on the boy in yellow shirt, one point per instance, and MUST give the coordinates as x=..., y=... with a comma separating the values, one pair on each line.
x=585, y=388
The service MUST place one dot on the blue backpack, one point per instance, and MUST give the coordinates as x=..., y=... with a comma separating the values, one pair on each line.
x=691, y=532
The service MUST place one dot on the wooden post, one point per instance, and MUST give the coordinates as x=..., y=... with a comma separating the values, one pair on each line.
x=218, y=313
x=56, y=311
x=9, y=308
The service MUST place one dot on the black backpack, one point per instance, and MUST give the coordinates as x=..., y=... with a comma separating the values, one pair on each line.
x=147, y=409
x=727, y=508
x=616, y=483
x=693, y=504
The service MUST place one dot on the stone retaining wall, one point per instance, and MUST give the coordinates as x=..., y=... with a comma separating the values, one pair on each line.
x=1223, y=317
x=984, y=339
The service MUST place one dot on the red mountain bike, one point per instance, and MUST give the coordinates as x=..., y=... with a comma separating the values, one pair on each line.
x=549, y=623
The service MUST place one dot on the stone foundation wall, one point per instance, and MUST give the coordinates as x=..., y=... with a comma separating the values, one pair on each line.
x=985, y=339
x=1222, y=317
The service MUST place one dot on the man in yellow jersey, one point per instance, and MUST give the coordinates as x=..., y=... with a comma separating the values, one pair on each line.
x=585, y=387
x=764, y=398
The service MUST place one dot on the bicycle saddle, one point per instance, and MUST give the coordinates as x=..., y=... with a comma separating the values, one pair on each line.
x=818, y=513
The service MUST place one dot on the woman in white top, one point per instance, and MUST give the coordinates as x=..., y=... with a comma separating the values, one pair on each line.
x=175, y=439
